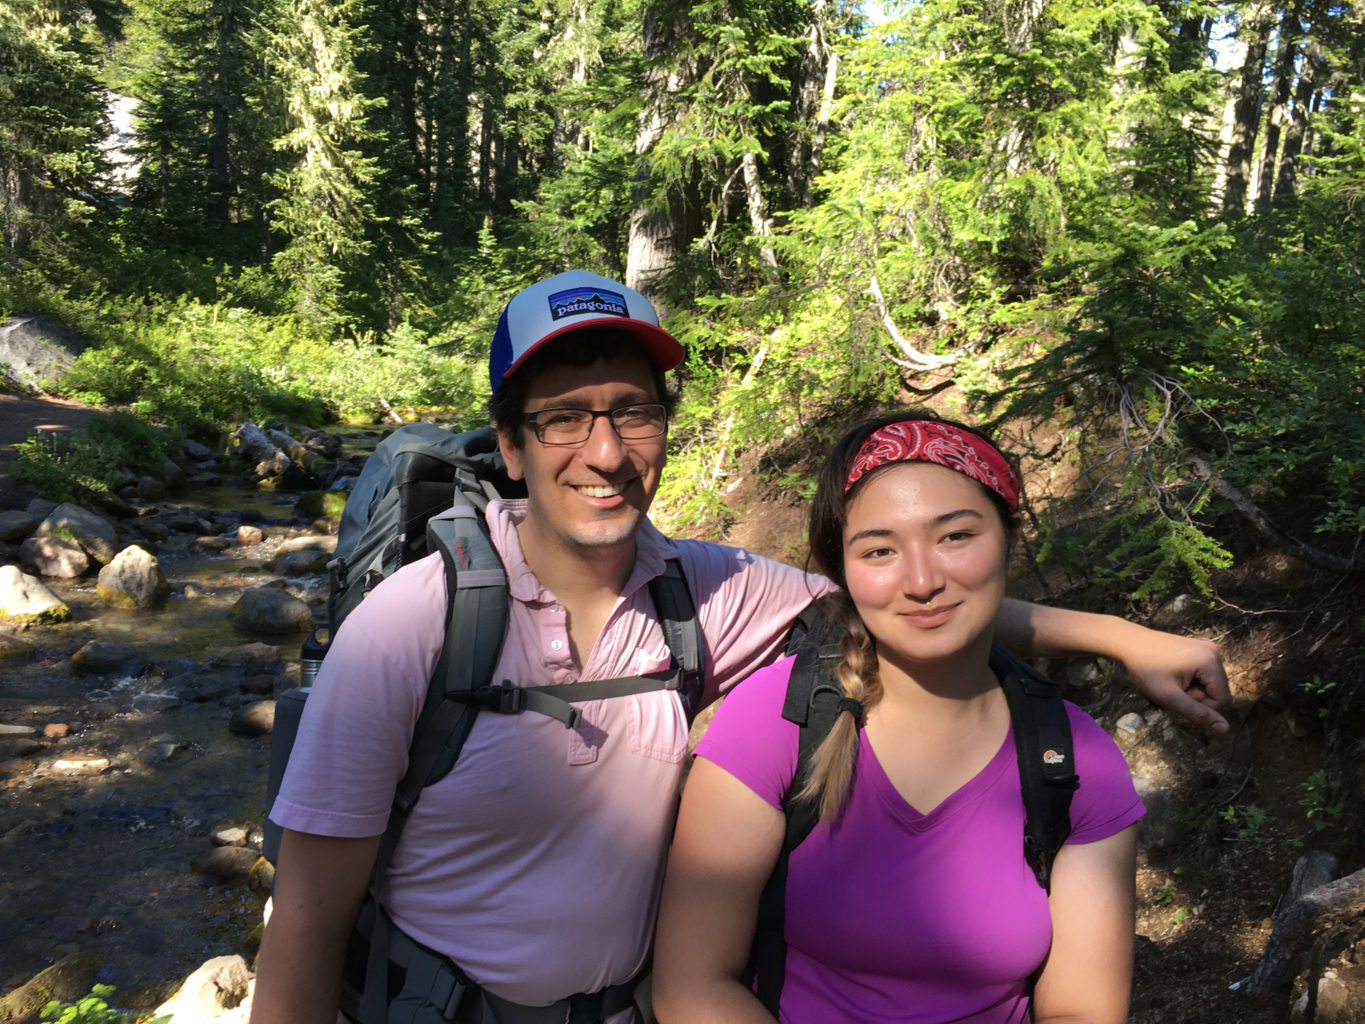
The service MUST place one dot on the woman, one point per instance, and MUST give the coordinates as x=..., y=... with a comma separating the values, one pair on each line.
x=912, y=900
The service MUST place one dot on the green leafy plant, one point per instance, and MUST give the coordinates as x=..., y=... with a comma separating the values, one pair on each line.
x=94, y=1009
x=1246, y=822
x=1317, y=801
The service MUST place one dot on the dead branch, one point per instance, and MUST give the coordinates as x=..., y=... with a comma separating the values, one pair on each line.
x=1267, y=527
x=1299, y=924
x=914, y=358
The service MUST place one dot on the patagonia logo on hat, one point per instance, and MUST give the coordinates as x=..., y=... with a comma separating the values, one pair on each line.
x=587, y=300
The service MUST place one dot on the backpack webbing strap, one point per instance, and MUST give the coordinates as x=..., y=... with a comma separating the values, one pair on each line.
x=812, y=702
x=1047, y=762
x=682, y=632
x=476, y=621
x=558, y=701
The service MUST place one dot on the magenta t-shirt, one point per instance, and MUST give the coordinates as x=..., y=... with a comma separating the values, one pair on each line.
x=897, y=916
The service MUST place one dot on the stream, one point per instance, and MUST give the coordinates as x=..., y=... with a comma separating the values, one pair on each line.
x=99, y=828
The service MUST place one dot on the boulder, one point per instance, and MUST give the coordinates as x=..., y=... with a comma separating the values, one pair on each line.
x=133, y=580
x=93, y=533
x=24, y=601
x=55, y=557
x=35, y=349
x=100, y=656
x=218, y=987
x=268, y=610
x=16, y=525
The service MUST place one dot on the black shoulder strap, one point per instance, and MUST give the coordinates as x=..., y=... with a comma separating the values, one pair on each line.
x=813, y=694
x=1047, y=761
x=682, y=631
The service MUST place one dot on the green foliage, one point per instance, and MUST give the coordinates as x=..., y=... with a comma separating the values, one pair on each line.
x=1319, y=802
x=93, y=1009
x=111, y=450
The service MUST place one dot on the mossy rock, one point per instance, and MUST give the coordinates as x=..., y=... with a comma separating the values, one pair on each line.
x=322, y=503
x=68, y=979
x=47, y=617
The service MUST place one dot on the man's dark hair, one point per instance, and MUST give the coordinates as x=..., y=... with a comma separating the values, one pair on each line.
x=578, y=348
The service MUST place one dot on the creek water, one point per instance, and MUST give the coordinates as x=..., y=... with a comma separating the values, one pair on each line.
x=98, y=858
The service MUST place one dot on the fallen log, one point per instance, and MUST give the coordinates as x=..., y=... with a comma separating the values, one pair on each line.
x=259, y=450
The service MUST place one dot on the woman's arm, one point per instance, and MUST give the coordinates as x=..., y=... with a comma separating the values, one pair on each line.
x=1088, y=974
x=727, y=840
x=318, y=891
x=1183, y=674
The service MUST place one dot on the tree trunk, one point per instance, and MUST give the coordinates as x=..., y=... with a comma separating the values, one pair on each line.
x=812, y=100
x=1298, y=118
x=1246, y=115
x=1287, y=51
x=653, y=237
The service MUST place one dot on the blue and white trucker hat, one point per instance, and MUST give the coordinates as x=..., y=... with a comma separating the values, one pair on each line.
x=567, y=302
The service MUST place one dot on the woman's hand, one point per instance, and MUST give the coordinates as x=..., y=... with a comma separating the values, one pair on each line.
x=724, y=848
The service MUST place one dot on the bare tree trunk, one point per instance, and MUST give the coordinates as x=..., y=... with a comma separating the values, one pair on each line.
x=1298, y=118
x=653, y=239
x=1287, y=51
x=1246, y=116
x=812, y=101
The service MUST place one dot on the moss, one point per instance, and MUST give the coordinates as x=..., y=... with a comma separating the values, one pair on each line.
x=322, y=503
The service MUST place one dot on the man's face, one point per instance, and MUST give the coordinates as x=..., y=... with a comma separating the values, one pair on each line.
x=593, y=496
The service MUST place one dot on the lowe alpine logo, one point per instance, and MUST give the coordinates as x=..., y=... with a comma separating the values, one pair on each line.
x=576, y=301
x=1053, y=757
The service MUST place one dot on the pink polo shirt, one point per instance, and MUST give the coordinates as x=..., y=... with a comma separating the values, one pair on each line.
x=536, y=863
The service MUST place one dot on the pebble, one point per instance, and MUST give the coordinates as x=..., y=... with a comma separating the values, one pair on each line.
x=56, y=730
x=224, y=862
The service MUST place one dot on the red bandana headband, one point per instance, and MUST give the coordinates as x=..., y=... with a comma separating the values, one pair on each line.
x=943, y=443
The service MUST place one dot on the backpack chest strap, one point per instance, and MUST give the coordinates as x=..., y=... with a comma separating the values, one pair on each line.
x=557, y=701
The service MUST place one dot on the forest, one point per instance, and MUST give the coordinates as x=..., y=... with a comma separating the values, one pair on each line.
x=1136, y=219
x=1128, y=233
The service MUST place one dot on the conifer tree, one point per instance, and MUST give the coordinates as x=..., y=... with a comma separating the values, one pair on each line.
x=326, y=201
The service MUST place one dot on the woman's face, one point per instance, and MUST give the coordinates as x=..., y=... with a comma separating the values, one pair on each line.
x=925, y=559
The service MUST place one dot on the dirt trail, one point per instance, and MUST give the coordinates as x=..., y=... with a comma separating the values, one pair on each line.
x=19, y=418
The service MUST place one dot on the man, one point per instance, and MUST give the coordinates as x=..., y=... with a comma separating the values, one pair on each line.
x=535, y=864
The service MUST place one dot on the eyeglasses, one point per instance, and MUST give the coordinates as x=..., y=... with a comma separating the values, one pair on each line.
x=573, y=426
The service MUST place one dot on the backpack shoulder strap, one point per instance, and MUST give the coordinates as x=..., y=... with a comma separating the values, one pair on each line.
x=1047, y=763
x=682, y=631
x=476, y=622
x=812, y=702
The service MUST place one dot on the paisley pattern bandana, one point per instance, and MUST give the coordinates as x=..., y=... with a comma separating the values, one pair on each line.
x=943, y=443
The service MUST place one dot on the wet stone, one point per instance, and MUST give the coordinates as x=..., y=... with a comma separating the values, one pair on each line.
x=81, y=765
x=259, y=684
x=254, y=719
x=224, y=862
x=162, y=749
x=269, y=610
x=6, y=729
x=249, y=535
x=229, y=835
x=14, y=649
x=56, y=730
x=16, y=525
x=103, y=656
x=200, y=545
x=250, y=654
